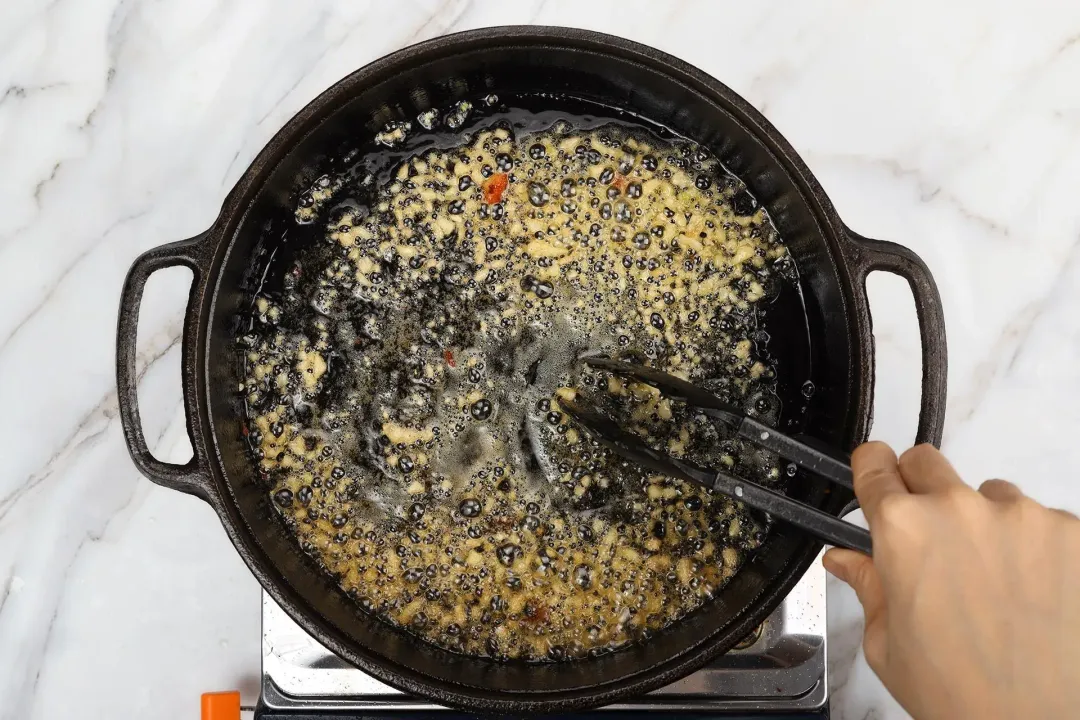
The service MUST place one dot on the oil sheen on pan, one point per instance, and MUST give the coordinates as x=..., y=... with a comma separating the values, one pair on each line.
x=406, y=357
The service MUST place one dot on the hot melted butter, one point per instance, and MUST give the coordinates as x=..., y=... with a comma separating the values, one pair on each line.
x=406, y=389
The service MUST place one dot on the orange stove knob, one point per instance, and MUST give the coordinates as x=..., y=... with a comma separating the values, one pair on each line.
x=221, y=705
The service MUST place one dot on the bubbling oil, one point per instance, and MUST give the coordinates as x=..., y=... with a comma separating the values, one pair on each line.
x=404, y=385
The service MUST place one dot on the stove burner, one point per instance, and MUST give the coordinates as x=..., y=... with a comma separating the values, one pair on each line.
x=780, y=668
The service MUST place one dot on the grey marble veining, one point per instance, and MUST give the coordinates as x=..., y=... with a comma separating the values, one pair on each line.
x=952, y=129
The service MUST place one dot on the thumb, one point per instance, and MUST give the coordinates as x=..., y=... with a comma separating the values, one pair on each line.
x=858, y=571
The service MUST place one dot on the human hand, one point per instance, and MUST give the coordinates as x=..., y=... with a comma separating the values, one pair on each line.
x=972, y=599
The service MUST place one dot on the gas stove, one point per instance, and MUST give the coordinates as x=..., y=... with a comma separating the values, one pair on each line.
x=780, y=670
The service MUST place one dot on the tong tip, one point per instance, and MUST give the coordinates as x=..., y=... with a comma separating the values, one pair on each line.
x=631, y=447
x=671, y=385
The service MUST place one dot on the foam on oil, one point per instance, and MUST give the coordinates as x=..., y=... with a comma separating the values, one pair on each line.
x=403, y=381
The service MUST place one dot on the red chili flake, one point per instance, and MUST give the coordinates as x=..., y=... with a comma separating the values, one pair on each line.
x=620, y=182
x=448, y=356
x=494, y=187
x=538, y=614
x=244, y=429
x=501, y=522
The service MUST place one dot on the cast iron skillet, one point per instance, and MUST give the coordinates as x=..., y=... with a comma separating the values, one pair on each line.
x=833, y=262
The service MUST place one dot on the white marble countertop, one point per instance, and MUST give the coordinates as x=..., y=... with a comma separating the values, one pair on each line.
x=953, y=128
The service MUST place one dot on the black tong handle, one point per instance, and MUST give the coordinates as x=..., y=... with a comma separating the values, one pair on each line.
x=817, y=461
x=822, y=525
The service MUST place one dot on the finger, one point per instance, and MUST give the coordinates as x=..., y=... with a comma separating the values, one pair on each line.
x=858, y=571
x=1000, y=491
x=925, y=470
x=876, y=475
x=1066, y=513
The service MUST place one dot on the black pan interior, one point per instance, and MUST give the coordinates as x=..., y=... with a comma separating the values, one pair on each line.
x=816, y=345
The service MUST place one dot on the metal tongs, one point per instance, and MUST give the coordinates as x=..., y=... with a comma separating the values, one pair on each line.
x=821, y=525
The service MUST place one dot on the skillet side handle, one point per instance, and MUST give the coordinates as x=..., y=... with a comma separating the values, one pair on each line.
x=193, y=477
x=893, y=258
